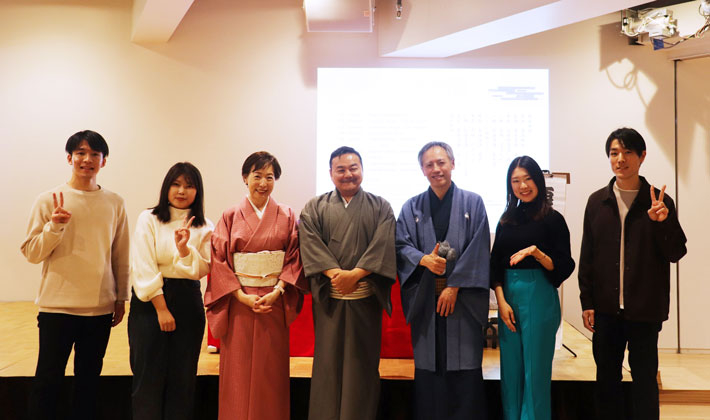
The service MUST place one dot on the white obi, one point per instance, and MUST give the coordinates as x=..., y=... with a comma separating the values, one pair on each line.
x=258, y=269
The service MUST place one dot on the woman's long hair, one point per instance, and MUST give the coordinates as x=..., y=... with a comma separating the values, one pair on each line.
x=192, y=175
x=536, y=209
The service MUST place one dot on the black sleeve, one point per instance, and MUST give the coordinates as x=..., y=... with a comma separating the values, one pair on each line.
x=586, y=261
x=558, y=249
x=498, y=258
x=669, y=235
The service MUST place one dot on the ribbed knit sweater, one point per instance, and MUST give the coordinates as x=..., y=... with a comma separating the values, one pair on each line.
x=85, y=262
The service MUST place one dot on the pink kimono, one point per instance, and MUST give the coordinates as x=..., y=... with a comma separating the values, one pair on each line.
x=254, y=356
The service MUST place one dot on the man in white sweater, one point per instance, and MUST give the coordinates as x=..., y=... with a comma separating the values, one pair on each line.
x=79, y=232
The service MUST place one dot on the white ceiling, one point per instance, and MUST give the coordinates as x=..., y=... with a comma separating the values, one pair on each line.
x=429, y=28
x=442, y=28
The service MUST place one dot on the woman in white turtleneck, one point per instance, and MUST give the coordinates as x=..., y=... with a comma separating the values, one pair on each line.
x=170, y=254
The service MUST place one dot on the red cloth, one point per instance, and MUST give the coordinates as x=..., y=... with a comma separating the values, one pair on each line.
x=211, y=341
x=301, y=331
x=396, y=337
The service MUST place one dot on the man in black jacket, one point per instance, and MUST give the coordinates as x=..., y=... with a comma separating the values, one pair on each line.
x=631, y=235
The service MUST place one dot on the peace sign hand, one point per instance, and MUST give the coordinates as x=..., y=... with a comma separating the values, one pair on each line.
x=182, y=235
x=658, y=211
x=59, y=215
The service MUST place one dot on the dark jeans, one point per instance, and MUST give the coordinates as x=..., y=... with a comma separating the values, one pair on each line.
x=164, y=364
x=612, y=333
x=58, y=333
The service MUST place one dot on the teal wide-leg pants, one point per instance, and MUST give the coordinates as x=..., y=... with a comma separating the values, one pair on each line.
x=526, y=355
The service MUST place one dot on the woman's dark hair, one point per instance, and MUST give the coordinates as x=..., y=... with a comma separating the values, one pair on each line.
x=260, y=160
x=192, y=176
x=539, y=207
x=95, y=140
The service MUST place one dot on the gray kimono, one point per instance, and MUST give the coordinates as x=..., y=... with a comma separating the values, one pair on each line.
x=345, y=378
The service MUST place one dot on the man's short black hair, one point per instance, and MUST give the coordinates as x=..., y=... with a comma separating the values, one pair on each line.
x=343, y=150
x=629, y=139
x=95, y=140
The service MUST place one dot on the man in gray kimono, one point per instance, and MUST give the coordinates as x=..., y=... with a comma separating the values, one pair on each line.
x=347, y=246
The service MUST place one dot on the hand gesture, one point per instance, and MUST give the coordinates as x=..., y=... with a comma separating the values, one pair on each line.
x=182, y=235
x=522, y=254
x=119, y=310
x=166, y=320
x=434, y=262
x=447, y=301
x=252, y=301
x=268, y=299
x=588, y=318
x=59, y=215
x=344, y=281
x=506, y=314
x=658, y=211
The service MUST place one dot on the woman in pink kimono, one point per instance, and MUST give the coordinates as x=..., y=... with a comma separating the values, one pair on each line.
x=255, y=292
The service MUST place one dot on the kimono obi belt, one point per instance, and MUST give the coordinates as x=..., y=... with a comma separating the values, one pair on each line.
x=363, y=290
x=258, y=269
x=439, y=285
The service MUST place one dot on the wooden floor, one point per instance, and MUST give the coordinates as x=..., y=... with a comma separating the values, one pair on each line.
x=685, y=378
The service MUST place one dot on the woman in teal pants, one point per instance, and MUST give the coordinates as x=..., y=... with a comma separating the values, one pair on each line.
x=530, y=259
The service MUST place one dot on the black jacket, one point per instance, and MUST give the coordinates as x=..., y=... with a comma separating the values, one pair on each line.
x=649, y=248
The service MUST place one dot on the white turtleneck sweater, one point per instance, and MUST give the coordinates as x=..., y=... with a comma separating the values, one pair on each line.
x=155, y=255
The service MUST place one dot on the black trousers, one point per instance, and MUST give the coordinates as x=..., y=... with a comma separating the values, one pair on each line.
x=444, y=395
x=611, y=335
x=164, y=364
x=58, y=333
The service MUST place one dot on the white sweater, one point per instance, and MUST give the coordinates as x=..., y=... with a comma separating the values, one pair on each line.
x=155, y=255
x=85, y=261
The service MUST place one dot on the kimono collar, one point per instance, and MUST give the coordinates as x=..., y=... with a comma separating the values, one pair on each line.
x=353, y=198
x=259, y=213
x=253, y=222
x=435, y=198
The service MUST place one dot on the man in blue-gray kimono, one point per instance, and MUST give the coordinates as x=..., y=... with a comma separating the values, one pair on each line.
x=443, y=252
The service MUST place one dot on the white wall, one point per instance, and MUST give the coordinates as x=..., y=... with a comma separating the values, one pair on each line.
x=240, y=76
x=694, y=199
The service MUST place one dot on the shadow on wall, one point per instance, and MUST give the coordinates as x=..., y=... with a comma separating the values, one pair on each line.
x=625, y=64
x=694, y=110
x=265, y=36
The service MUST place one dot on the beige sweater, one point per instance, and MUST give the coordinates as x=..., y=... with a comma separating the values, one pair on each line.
x=85, y=266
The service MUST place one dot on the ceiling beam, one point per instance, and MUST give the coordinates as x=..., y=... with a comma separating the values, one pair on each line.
x=155, y=21
x=419, y=32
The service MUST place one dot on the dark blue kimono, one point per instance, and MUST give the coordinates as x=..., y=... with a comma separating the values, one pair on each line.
x=469, y=235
